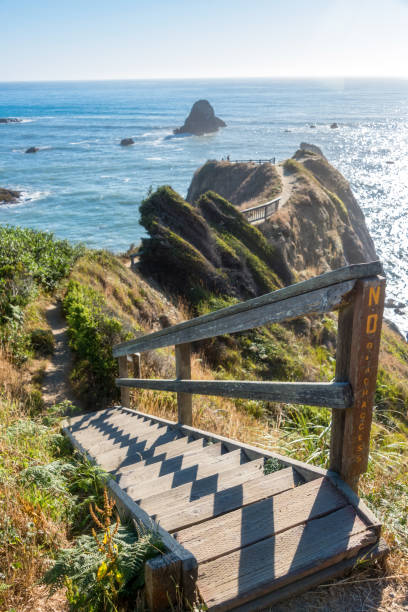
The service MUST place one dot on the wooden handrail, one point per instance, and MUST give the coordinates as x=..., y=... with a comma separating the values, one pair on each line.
x=175, y=334
x=246, y=210
x=357, y=290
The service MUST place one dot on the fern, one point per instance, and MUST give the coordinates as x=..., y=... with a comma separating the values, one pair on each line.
x=78, y=567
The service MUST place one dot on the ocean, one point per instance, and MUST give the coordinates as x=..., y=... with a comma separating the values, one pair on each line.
x=83, y=186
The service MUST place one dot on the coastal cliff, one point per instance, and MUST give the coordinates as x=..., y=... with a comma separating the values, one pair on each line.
x=318, y=226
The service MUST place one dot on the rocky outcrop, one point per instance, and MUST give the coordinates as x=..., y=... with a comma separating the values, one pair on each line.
x=246, y=184
x=32, y=150
x=206, y=250
x=334, y=126
x=8, y=196
x=125, y=142
x=359, y=245
x=10, y=120
x=320, y=225
x=305, y=146
x=201, y=120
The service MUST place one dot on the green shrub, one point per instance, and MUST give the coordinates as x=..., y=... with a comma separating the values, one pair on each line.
x=92, y=333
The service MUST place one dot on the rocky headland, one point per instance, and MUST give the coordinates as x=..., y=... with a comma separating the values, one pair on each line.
x=201, y=120
x=318, y=226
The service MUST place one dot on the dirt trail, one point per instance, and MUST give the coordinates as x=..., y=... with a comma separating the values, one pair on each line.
x=288, y=181
x=56, y=385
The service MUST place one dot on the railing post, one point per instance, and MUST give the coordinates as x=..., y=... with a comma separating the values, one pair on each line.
x=183, y=371
x=357, y=362
x=137, y=370
x=124, y=373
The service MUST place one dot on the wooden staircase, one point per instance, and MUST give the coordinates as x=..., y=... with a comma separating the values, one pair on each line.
x=256, y=537
x=241, y=537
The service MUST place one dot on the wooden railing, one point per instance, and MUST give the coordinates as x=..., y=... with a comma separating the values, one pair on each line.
x=271, y=160
x=356, y=291
x=262, y=211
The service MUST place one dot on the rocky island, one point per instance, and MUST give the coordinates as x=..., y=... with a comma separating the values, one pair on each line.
x=201, y=120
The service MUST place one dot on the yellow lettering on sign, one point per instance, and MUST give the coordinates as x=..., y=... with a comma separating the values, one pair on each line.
x=374, y=295
x=371, y=323
x=369, y=345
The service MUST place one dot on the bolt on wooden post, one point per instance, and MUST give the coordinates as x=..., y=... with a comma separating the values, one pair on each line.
x=357, y=356
x=183, y=372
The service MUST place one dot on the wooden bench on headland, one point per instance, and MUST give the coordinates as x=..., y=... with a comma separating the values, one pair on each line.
x=242, y=538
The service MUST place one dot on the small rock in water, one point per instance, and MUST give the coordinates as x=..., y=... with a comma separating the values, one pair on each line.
x=334, y=125
x=32, y=150
x=201, y=120
x=125, y=142
x=287, y=130
x=10, y=120
x=312, y=126
x=389, y=162
x=8, y=196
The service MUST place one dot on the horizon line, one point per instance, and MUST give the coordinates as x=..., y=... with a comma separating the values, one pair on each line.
x=212, y=78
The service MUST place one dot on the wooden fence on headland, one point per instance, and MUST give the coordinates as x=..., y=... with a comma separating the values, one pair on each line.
x=262, y=211
x=272, y=160
x=356, y=291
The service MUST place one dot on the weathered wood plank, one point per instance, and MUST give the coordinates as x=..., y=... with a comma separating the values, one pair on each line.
x=127, y=507
x=124, y=439
x=109, y=420
x=162, y=447
x=267, y=602
x=169, y=466
x=183, y=370
x=272, y=563
x=365, y=346
x=306, y=470
x=117, y=433
x=359, y=505
x=162, y=455
x=331, y=395
x=261, y=520
x=228, y=500
x=183, y=495
x=345, y=327
x=347, y=273
x=124, y=373
x=142, y=486
x=316, y=302
x=162, y=579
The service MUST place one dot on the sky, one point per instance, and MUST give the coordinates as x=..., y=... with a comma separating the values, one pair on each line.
x=44, y=40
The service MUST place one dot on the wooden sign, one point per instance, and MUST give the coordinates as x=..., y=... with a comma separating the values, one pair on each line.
x=364, y=349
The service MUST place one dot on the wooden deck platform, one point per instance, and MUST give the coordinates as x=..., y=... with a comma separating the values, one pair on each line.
x=245, y=539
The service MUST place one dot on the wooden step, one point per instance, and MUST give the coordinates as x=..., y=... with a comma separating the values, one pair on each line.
x=126, y=438
x=260, y=520
x=179, y=497
x=162, y=447
x=142, y=486
x=114, y=425
x=229, y=499
x=250, y=572
x=188, y=460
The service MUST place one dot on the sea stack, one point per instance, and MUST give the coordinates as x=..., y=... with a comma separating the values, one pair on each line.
x=201, y=120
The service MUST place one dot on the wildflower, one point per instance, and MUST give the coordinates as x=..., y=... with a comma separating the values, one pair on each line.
x=103, y=568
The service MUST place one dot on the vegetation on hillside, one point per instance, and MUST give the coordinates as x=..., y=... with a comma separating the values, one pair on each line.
x=45, y=490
